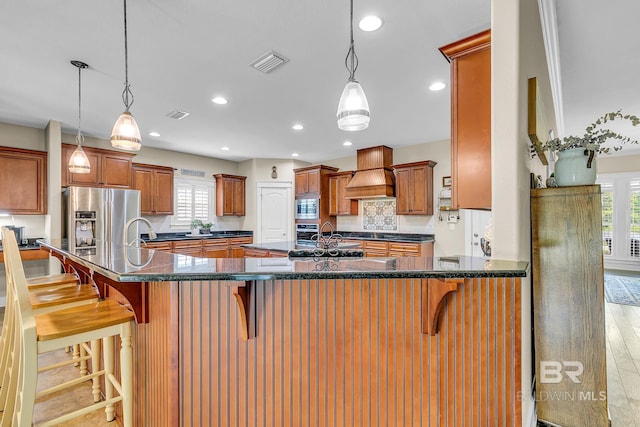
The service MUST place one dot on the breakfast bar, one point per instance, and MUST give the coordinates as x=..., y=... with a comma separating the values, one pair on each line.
x=319, y=341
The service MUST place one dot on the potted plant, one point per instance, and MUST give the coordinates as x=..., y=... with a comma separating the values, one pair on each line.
x=196, y=225
x=206, y=228
x=575, y=164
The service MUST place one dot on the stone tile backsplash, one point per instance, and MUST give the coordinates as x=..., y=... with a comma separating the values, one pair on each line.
x=379, y=215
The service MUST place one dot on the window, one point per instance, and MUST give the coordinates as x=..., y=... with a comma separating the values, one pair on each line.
x=193, y=199
x=621, y=215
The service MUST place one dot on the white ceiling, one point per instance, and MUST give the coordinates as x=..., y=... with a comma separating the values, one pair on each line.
x=182, y=53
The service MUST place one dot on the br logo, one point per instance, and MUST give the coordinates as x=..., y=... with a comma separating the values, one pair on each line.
x=552, y=371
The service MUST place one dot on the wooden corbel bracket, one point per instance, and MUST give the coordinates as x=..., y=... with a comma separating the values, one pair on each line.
x=242, y=295
x=432, y=296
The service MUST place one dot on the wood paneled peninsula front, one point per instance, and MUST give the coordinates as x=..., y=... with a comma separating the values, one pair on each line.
x=413, y=341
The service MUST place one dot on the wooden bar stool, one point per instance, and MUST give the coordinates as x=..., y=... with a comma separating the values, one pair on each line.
x=31, y=335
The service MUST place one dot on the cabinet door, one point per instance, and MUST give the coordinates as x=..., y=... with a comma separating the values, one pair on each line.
x=403, y=192
x=163, y=191
x=238, y=197
x=116, y=171
x=471, y=121
x=159, y=246
x=338, y=204
x=422, y=201
x=334, y=196
x=302, y=183
x=216, y=248
x=143, y=181
x=24, y=181
x=313, y=181
x=91, y=179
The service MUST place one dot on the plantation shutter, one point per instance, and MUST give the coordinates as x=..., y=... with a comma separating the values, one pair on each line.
x=634, y=218
x=606, y=189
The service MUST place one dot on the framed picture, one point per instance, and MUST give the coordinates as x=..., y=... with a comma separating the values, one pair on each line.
x=446, y=181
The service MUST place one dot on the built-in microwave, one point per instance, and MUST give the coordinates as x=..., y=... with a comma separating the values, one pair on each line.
x=307, y=208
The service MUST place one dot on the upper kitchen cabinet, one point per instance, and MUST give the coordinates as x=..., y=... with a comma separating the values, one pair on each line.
x=470, y=60
x=156, y=188
x=338, y=203
x=414, y=188
x=23, y=176
x=230, y=195
x=311, y=180
x=108, y=168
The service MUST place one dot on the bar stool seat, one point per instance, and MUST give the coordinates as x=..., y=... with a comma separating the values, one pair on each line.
x=53, y=280
x=30, y=335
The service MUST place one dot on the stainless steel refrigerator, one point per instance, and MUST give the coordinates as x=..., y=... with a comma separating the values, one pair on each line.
x=99, y=215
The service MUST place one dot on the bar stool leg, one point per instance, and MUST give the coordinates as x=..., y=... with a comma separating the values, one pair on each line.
x=95, y=367
x=126, y=374
x=107, y=351
x=76, y=354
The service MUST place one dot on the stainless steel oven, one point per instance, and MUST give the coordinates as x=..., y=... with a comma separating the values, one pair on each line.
x=307, y=208
x=304, y=232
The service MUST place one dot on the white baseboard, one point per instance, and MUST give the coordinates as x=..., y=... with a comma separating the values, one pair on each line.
x=3, y=301
x=618, y=264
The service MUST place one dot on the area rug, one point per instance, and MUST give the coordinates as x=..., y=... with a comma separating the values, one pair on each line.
x=622, y=289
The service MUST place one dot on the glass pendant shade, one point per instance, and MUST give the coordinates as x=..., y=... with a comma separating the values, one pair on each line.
x=353, y=108
x=125, y=134
x=79, y=162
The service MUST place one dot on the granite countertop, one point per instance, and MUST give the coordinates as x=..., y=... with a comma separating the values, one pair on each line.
x=215, y=234
x=130, y=264
x=387, y=236
x=290, y=246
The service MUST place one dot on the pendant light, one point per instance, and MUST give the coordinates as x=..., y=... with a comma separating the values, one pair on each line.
x=353, y=108
x=79, y=162
x=125, y=134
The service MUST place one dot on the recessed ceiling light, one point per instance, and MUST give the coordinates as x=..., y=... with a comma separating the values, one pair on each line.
x=370, y=23
x=225, y=148
x=219, y=100
x=294, y=154
x=154, y=134
x=436, y=86
x=346, y=143
x=297, y=126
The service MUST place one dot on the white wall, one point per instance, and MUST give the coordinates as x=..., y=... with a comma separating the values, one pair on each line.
x=612, y=164
x=517, y=54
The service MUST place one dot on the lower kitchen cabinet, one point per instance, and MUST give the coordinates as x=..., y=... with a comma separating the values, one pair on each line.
x=23, y=174
x=159, y=246
x=379, y=248
x=215, y=248
x=235, y=246
x=375, y=248
x=256, y=253
x=188, y=247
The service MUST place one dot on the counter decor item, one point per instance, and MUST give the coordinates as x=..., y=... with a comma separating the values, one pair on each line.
x=196, y=225
x=576, y=154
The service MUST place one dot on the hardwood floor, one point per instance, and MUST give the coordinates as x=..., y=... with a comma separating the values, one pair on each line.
x=623, y=364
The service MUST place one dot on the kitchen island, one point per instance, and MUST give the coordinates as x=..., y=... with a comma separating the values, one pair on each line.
x=325, y=341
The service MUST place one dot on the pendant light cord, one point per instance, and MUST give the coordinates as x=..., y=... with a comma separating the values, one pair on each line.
x=351, y=61
x=79, y=102
x=127, y=91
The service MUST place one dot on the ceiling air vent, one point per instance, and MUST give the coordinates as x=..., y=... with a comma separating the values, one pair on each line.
x=269, y=61
x=177, y=114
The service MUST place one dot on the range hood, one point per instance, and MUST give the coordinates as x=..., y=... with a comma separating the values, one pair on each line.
x=374, y=177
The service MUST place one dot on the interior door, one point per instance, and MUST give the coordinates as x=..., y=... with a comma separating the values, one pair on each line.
x=275, y=209
x=476, y=224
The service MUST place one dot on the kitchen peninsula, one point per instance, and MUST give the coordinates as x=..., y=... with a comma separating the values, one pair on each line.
x=325, y=341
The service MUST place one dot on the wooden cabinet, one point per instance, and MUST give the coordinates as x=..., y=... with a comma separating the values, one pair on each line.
x=230, y=195
x=313, y=181
x=215, y=248
x=23, y=181
x=156, y=188
x=308, y=181
x=470, y=120
x=338, y=204
x=414, y=188
x=375, y=248
x=568, y=305
x=235, y=246
x=108, y=168
x=166, y=246
x=256, y=253
x=188, y=247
